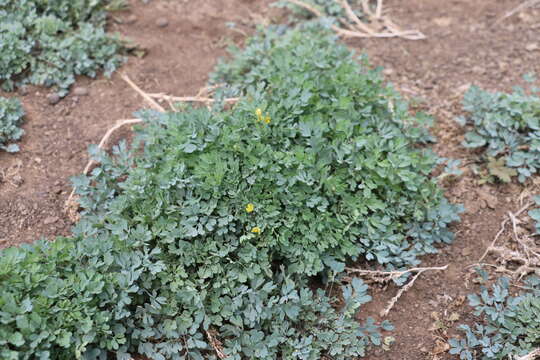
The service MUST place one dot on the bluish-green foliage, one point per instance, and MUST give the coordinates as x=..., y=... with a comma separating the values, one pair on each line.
x=50, y=42
x=505, y=126
x=331, y=10
x=535, y=214
x=510, y=325
x=11, y=116
x=217, y=221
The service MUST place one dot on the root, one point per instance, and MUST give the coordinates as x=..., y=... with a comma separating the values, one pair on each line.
x=71, y=206
x=520, y=7
x=522, y=252
x=70, y=203
x=530, y=356
x=197, y=98
x=385, y=276
x=216, y=345
x=359, y=29
x=144, y=95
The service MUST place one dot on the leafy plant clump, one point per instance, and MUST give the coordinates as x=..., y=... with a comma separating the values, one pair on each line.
x=511, y=324
x=507, y=127
x=221, y=232
x=535, y=214
x=50, y=42
x=11, y=116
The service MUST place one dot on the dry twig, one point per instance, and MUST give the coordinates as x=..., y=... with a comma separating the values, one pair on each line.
x=525, y=254
x=530, y=356
x=196, y=98
x=520, y=7
x=216, y=345
x=383, y=276
x=409, y=285
x=502, y=229
x=359, y=29
x=71, y=206
x=144, y=95
x=69, y=202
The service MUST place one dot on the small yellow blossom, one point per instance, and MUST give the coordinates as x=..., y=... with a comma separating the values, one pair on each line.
x=258, y=112
x=250, y=207
x=267, y=119
x=256, y=230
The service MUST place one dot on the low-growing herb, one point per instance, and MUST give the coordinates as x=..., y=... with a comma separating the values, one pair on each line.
x=507, y=128
x=508, y=326
x=51, y=42
x=214, y=231
x=11, y=116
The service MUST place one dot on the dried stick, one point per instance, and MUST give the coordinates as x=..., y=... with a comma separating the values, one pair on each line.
x=145, y=96
x=401, y=291
x=216, y=345
x=530, y=356
x=502, y=229
x=364, y=31
x=393, y=274
x=352, y=16
x=521, y=7
x=189, y=98
x=102, y=143
x=378, y=11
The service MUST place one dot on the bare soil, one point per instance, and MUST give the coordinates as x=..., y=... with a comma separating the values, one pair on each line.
x=463, y=47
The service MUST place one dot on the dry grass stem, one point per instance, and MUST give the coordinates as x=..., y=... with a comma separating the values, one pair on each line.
x=523, y=6
x=102, y=143
x=144, y=95
x=530, y=356
x=384, y=276
x=502, y=229
x=189, y=98
x=524, y=252
x=359, y=29
x=216, y=345
x=409, y=285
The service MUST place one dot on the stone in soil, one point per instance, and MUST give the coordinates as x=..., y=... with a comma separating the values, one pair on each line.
x=53, y=99
x=80, y=91
x=162, y=22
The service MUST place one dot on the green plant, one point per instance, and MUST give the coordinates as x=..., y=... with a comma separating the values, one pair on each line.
x=226, y=230
x=505, y=126
x=535, y=214
x=511, y=323
x=50, y=42
x=330, y=9
x=11, y=116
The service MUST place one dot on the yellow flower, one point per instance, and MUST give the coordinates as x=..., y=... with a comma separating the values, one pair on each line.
x=258, y=112
x=256, y=230
x=267, y=119
x=250, y=207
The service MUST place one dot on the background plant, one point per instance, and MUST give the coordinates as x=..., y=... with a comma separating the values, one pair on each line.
x=50, y=42
x=11, y=116
x=508, y=326
x=507, y=128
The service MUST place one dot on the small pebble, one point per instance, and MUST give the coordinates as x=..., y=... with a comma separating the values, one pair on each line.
x=23, y=90
x=80, y=91
x=51, y=220
x=53, y=99
x=17, y=180
x=162, y=22
x=532, y=47
x=130, y=19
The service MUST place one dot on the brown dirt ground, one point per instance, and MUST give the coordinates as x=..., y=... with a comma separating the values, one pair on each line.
x=463, y=47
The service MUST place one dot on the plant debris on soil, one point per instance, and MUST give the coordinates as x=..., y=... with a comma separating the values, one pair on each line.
x=180, y=42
